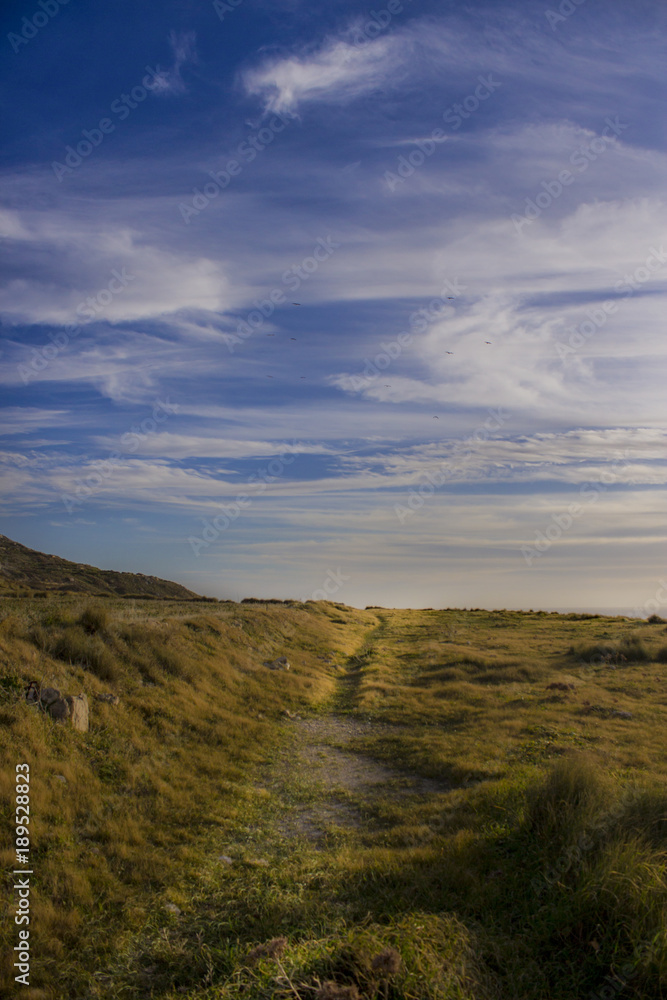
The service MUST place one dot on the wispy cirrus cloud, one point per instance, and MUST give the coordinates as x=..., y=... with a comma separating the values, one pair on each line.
x=170, y=81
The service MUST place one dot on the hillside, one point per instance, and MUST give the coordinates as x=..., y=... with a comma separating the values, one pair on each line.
x=24, y=571
x=427, y=805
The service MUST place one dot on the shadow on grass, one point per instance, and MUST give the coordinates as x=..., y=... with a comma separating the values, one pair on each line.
x=567, y=891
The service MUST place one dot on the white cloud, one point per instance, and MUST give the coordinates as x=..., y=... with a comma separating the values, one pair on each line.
x=11, y=226
x=168, y=476
x=179, y=446
x=338, y=72
x=124, y=276
x=26, y=419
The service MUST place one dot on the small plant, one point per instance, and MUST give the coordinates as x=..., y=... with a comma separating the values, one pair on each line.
x=275, y=948
x=332, y=991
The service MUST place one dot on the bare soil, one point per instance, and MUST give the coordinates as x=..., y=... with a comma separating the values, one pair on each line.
x=323, y=784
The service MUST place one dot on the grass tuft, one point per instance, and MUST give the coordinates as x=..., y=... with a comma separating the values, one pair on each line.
x=567, y=801
x=94, y=619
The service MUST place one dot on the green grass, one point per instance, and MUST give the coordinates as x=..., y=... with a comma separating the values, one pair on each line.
x=536, y=870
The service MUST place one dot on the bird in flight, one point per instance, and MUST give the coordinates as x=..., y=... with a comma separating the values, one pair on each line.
x=292, y=338
x=450, y=296
x=436, y=418
x=270, y=334
x=296, y=303
x=302, y=376
x=269, y=376
x=487, y=341
x=449, y=352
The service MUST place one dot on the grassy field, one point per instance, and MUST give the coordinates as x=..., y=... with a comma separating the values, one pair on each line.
x=428, y=804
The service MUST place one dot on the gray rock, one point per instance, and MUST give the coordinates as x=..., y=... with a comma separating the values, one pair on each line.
x=48, y=695
x=108, y=697
x=606, y=712
x=282, y=663
x=58, y=710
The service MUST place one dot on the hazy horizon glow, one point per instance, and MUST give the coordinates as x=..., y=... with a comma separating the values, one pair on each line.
x=366, y=301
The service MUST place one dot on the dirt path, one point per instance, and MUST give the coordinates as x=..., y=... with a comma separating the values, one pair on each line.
x=337, y=784
x=324, y=783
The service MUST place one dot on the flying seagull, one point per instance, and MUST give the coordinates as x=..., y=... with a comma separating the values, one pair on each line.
x=487, y=341
x=449, y=352
x=296, y=303
x=292, y=338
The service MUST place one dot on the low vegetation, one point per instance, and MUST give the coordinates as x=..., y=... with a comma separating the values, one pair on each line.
x=534, y=871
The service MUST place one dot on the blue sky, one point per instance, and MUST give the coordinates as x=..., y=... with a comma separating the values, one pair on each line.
x=365, y=301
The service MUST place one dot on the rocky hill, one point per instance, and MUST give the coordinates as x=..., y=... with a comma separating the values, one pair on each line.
x=24, y=571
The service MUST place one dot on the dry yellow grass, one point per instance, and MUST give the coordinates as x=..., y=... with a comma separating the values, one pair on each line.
x=131, y=816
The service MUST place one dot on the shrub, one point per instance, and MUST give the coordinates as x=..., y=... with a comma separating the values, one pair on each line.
x=94, y=618
x=634, y=650
x=74, y=646
x=40, y=638
x=631, y=649
x=598, y=652
x=101, y=662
